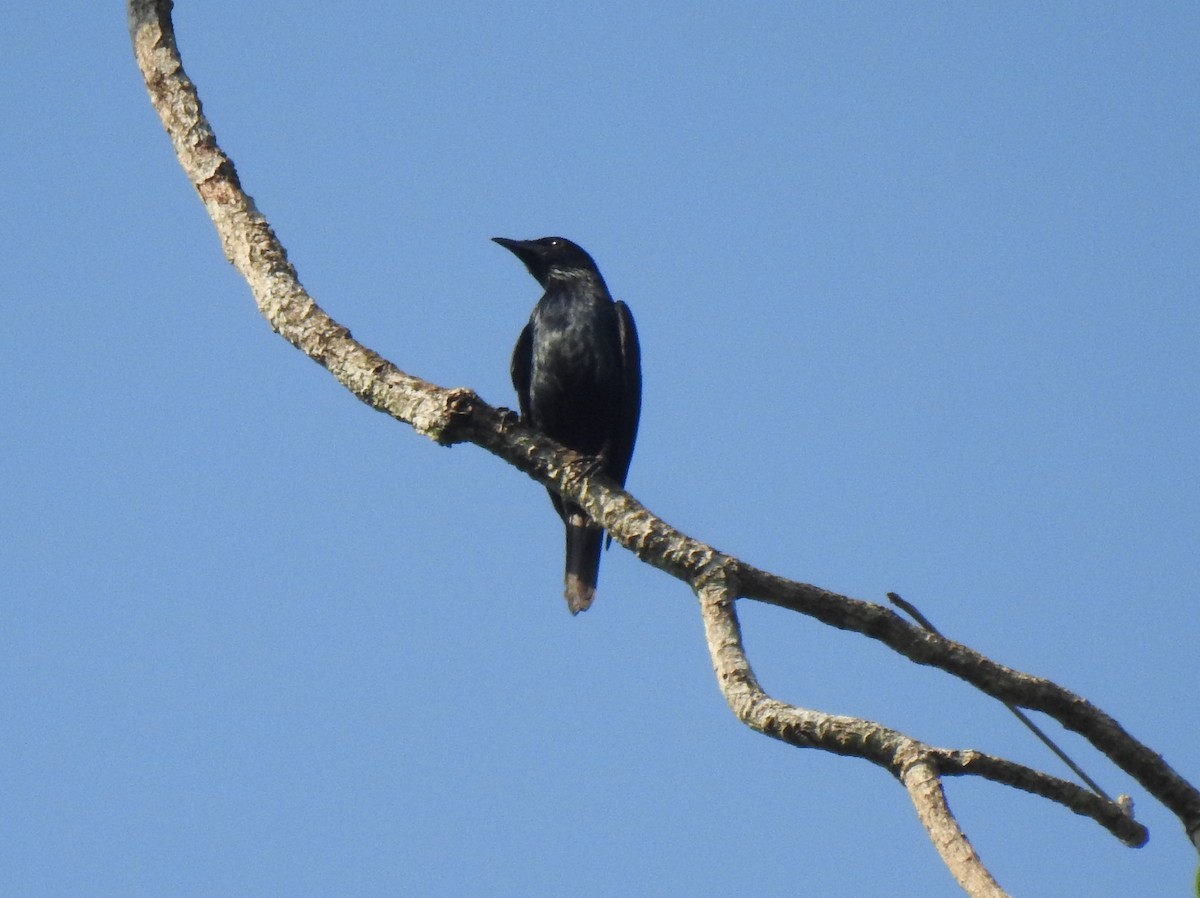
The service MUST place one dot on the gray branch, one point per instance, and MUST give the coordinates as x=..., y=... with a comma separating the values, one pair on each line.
x=458, y=415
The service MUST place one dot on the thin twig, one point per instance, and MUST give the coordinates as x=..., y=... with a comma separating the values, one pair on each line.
x=913, y=612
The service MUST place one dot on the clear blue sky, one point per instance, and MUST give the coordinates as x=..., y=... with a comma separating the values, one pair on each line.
x=917, y=292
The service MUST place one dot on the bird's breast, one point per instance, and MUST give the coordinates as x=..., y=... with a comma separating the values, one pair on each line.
x=576, y=376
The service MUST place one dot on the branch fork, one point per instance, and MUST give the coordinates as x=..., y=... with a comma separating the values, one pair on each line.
x=451, y=416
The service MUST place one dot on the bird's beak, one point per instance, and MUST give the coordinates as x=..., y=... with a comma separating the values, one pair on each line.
x=522, y=249
x=528, y=251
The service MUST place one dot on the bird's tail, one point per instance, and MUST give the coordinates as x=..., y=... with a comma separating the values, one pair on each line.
x=584, y=541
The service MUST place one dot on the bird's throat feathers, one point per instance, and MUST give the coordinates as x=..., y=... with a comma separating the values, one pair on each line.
x=574, y=279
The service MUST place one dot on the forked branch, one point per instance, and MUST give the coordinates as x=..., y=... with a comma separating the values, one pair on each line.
x=459, y=415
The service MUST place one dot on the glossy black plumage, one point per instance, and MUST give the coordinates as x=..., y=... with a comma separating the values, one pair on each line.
x=577, y=372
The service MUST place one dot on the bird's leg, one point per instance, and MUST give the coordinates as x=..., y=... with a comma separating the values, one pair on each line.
x=591, y=464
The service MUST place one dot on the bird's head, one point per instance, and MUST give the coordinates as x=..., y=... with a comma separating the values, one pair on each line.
x=551, y=258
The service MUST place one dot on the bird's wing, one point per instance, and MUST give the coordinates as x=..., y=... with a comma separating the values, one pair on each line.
x=521, y=369
x=631, y=394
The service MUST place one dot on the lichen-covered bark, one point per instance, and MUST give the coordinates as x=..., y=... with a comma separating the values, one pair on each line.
x=459, y=415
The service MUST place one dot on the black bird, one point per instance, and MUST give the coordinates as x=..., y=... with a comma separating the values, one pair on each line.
x=578, y=376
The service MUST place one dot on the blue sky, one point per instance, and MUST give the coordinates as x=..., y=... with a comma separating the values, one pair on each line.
x=917, y=295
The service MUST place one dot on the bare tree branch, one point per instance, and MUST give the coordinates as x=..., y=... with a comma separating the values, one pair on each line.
x=459, y=415
x=1008, y=685
x=925, y=789
x=913, y=612
x=917, y=765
